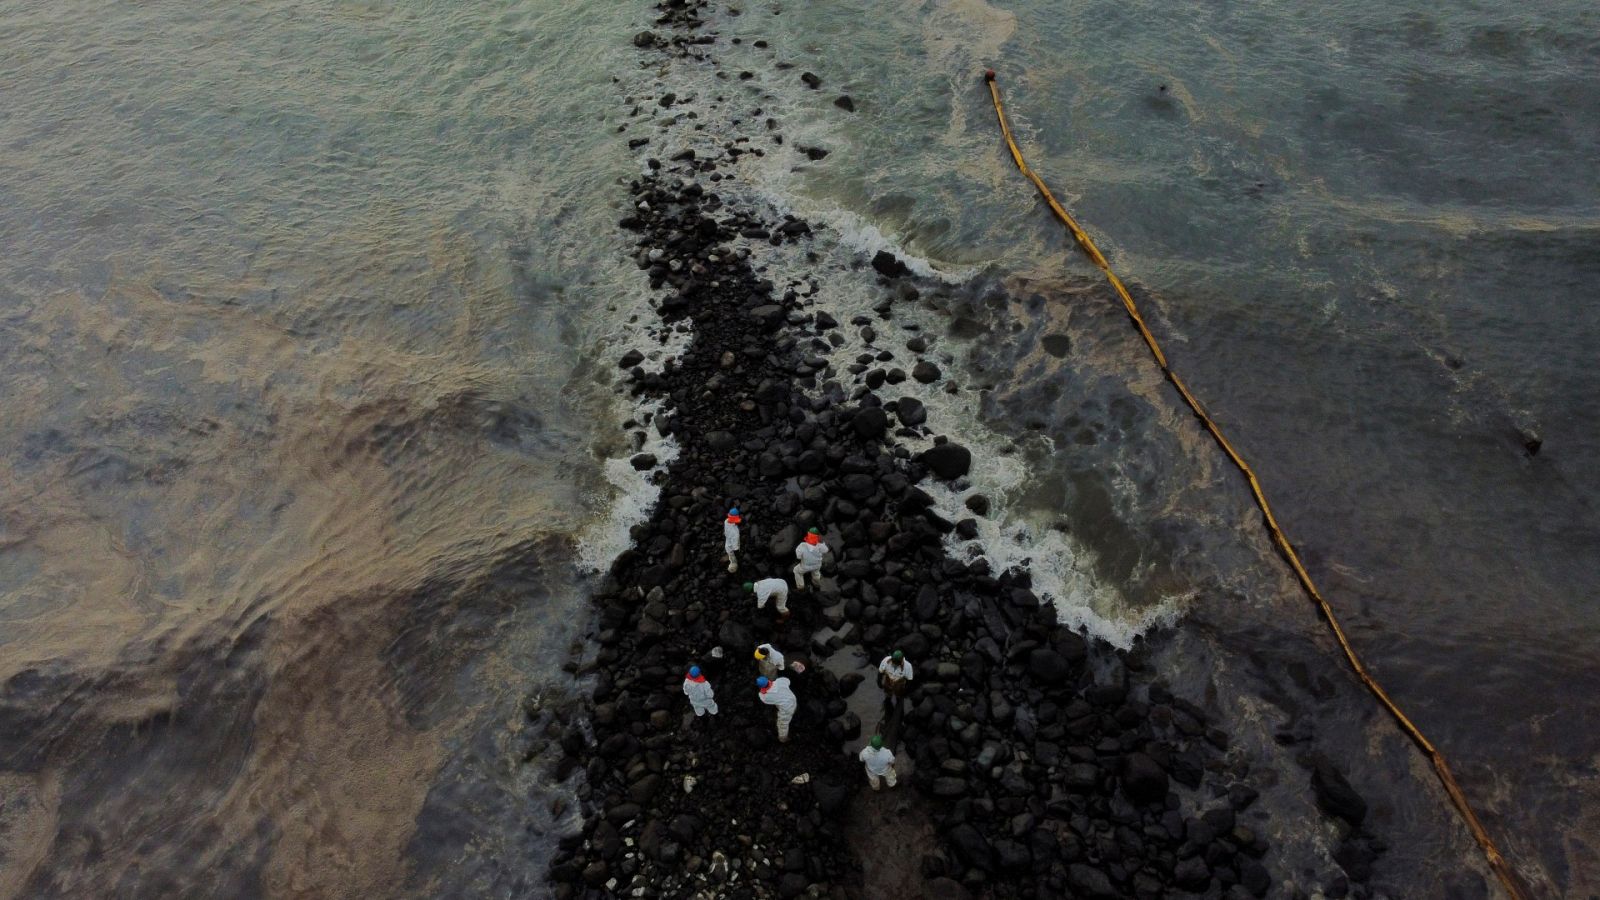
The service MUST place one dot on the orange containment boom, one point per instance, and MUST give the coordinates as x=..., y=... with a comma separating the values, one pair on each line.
x=1497, y=862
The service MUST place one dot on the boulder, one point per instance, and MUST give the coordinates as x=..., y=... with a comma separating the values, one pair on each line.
x=947, y=460
x=1143, y=780
x=1048, y=666
x=888, y=265
x=1334, y=793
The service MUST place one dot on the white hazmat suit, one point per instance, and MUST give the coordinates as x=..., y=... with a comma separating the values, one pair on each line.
x=879, y=764
x=775, y=589
x=701, y=697
x=730, y=543
x=777, y=694
x=810, y=556
x=772, y=664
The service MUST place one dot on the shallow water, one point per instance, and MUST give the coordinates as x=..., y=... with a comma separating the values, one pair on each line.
x=308, y=314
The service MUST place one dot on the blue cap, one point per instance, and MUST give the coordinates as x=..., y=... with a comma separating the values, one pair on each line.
x=762, y=682
x=734, y=511
x=694, y=671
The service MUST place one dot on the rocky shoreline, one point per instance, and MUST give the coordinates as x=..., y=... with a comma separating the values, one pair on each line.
x=1047, y=764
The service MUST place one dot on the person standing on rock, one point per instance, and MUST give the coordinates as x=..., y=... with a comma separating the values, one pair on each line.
x=730, y=538
x=777, y=694
x=894, y=674
x=775, y=589
x=701, y=696
x=769, y=661
x=879, y=762
x=810, y=553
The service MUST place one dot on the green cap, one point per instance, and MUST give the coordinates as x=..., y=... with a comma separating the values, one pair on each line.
x=899, y=655
x=877, y=742
x=812, y=531
x=749, y=585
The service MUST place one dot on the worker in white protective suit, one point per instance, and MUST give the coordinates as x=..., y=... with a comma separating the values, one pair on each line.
x=775, y=589
x=698, y=689
x=777, y=694
x=769, y=661
x=810, y=553
x=894, y=674
x=879, y=762
x=730, y=538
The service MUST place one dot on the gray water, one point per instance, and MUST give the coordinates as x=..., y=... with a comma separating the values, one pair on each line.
x=307, y=312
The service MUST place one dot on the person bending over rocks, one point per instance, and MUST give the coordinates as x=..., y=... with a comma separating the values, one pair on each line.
x=879, y=762
x=775, y=589
x=769, y=661
x=810, y=553
x=777, y=694
x=730, y=538
x=894, y=674
x=701, y=697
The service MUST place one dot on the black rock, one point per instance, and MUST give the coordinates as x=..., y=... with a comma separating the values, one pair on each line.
x=1143, y=780
x=814, y=153
x=630, y=359
x=889, y=265
x=770, y=315
x=1047, y=665
x=979, y=504
x=1335, y=795
x=1014, y=858
x=845, y=103
x=870, y=423
x=944, y=889
x=811, y=80
x=644, y=461
x=1254, y=877
x=668, y=99
x=1192, y=874
x=925, y=372
x=911, y=411
x=947, y=460
x=1087, y=881
x=831, y=795
x=973, y=848
x=645, y=39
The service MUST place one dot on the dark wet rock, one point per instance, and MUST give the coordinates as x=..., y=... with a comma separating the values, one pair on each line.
x=888, y=265
x=811, y=80
x=925, y=372
x=1192, y=874
x=814, y=153
x=1143, y=780
x=630, y=359
x=845, y=103
x=910, y=411
x=979, y=504
x=668, y=99
x=831, y=795
x=1335, y=795
x=944, y=889
x=1086, y=881
x=869, y=424
x=643, y=461
x=947, y=461
x=645, y=39
x=971, y=846
x=1048, y=666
